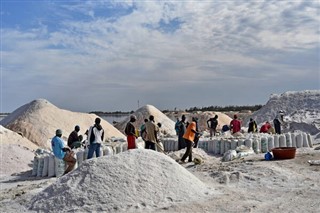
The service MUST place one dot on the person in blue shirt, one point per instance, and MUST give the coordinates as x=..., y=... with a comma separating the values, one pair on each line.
x=63, y=152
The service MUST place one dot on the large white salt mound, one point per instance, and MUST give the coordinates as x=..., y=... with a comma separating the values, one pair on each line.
x=133, y=181
x=302, y=108
x=9, y=137
x=16, y=152
x=39, y=119
x=167, y=125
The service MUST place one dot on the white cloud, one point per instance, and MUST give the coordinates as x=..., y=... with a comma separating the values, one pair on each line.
x=129, y=53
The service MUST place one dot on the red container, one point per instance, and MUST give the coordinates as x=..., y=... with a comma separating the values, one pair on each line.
x=280, y=153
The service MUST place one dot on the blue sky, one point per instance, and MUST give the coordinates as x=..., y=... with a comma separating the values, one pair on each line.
x=107, y=55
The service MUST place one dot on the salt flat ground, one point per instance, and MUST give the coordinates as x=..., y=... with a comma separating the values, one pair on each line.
x=250, y=184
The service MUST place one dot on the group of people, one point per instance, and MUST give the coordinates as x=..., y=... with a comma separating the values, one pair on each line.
x=95, y=136
x=149, y=131
x=267, y=127
x=188, y=136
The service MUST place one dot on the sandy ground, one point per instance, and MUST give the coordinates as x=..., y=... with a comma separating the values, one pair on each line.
x=250, y=184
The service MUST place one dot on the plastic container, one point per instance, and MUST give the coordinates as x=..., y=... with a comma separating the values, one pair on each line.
x=276, y=140
x=270, y=143
x=299, y=140
x=217, y=145
x=293, y=140
x=281, y=153
x=282, y=141
x=248, y=143
x=264, y=145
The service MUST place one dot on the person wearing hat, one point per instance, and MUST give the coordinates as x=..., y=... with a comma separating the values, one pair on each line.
x=74, y=140
x=235, y=125
x=95, y=137
x=278, y=121
x=63, y=152
x=189, y=137
x=130, y=131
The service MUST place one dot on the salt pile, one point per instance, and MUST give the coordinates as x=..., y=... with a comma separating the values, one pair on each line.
x=290, y=102
x=301, y=108
x=132, y=181
x=39, y=119
x=17, y=152
x=167, y=125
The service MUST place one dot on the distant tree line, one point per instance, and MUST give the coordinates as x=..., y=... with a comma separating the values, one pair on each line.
x=225, y=108
x=192, y=109
x=111, y=113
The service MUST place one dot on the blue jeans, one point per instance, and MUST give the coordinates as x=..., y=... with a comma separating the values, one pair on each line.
x=95, y=147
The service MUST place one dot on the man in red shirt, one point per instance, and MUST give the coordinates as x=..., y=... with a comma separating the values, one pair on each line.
x=235, y=125
x=265, y=127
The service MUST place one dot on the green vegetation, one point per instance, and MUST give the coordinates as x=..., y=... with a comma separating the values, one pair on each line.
x=192, y=109
x=225, y=108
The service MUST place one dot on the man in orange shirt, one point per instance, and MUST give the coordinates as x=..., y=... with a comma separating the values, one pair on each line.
x=189, y=138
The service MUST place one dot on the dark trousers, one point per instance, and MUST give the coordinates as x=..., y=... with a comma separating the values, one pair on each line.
x=150, y=145
x=277, y=126
x=188, y=152
x=181, y=143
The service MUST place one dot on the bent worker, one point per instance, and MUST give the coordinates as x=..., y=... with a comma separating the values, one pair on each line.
x=63, y=152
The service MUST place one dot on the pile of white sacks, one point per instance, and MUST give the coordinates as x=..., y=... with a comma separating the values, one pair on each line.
x=45, y=164
x=259, y=142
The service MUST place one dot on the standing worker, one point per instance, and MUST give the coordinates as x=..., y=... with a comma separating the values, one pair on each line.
x=63, y=152
x=278, y=121
x=181, y=131
x=95, y=137
x=131, y=132
x=151, y=133
x=189, y=138
x=213, y=125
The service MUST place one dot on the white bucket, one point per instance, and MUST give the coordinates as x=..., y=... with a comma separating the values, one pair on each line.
x=248, y=143
x=40, y=166
x=60, y=167
x=264, y=145
x=288, y=139
x=51, y=166
x=227, y=145
x=222, y=147
x=282, y=141
x=216, y=144
x=80, y=155
x=240, y=142
x=276, y=141
x=270, y=143
x=293, y=140
x=45, y=166
x=299, y=140
x=35, y=166
x=310, y=141
x=256, y=145
x=305, y=140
